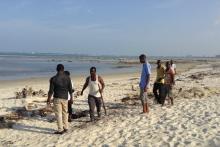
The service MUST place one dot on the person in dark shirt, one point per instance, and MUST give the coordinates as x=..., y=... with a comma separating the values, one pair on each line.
x=60, y=86
x=70, y=111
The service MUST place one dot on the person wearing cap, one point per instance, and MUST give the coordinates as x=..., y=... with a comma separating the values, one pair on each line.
x=144, y=82
x=96, y=86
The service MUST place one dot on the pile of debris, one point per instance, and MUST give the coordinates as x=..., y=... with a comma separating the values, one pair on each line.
x=198, y=76
x=29, y=92
x=193, y=92
x=5, y=123
x=131, y=99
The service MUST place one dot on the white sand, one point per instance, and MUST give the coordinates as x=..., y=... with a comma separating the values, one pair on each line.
x=194, y=120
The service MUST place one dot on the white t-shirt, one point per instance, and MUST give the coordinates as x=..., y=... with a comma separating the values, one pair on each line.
x=173, y=67
x=68, y=92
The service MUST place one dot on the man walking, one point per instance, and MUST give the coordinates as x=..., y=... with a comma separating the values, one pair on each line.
x=144, y=82
x=60, y=86
x=169, y=82
x=158, y=88
x=70, y=111
x=95, y=90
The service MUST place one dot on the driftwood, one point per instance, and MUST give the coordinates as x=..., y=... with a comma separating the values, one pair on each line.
x=29, y=92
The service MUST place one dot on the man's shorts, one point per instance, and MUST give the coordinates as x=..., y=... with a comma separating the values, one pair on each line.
x=143, y=96
x=168, y=90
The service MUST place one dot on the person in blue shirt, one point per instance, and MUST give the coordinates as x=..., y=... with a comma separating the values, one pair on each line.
x=144, y=82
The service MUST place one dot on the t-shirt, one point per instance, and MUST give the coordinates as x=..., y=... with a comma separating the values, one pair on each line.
x=60, y=86
x=173, y=66
x=69, y=93
x=168, y=76
x=146, y=71
x=160, y=74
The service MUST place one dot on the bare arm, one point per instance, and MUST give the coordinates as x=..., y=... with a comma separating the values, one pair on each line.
x=101, y=81
x=50, y=92
x=147, y=81
x=85, y=85
x=70, y=89
x=172, y=77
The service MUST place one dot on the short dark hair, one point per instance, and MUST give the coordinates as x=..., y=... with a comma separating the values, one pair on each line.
x=67, y=73
x=158, y=61
x=171, y=61
x=142, y=56
x=93, y=68
x=60, y=67
x=167, y=63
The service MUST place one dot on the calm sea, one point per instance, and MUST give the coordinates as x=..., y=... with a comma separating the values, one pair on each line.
x=21, y=66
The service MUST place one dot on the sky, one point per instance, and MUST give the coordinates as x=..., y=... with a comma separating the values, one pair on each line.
x=111, y=27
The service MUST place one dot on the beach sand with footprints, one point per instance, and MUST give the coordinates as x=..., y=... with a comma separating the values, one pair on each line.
x=194, y=120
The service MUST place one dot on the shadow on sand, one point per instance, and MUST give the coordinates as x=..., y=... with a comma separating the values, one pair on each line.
x=34, y=129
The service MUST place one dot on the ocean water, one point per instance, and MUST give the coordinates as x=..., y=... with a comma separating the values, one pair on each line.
x=21, y=66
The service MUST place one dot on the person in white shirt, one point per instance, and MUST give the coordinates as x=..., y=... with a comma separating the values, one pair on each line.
x=70, y=111
x=96, y=86
x=173, y=66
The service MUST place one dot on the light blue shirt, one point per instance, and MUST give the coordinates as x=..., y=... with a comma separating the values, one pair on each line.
x=146, y=71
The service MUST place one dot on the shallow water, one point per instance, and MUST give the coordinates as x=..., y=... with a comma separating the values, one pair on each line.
x=26, y=66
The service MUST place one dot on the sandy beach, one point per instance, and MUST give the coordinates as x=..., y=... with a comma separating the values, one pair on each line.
x=194, y=120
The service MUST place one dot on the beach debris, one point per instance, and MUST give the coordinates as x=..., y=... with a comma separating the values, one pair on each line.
x=13, y=116
x=130, y=99
x=24, y=93
x=212, y=90
x=194, y=92
x=77, y=94
x=133, y=88
x=123, y=66
x=79, y=114
x=32, y=110
x=198, y=76
x=115, y=83
x=6, y=124
x=134, y=79
x=45, y=111
x=180, y=90
x=29, y=92
x=31, y=106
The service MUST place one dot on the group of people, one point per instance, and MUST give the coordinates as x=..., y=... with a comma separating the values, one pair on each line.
x=163, y=85
x=61, y=89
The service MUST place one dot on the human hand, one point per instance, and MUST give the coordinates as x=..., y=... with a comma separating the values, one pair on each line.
x=101, y=90
x=48, y=102
x=71, y=101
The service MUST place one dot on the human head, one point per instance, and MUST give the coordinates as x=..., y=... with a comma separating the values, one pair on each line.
x=168, y=65
x=67, y=73
x=142, y=58
x=158, y=63
x=93, y=71
x=60, y=67
x=171, y=62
